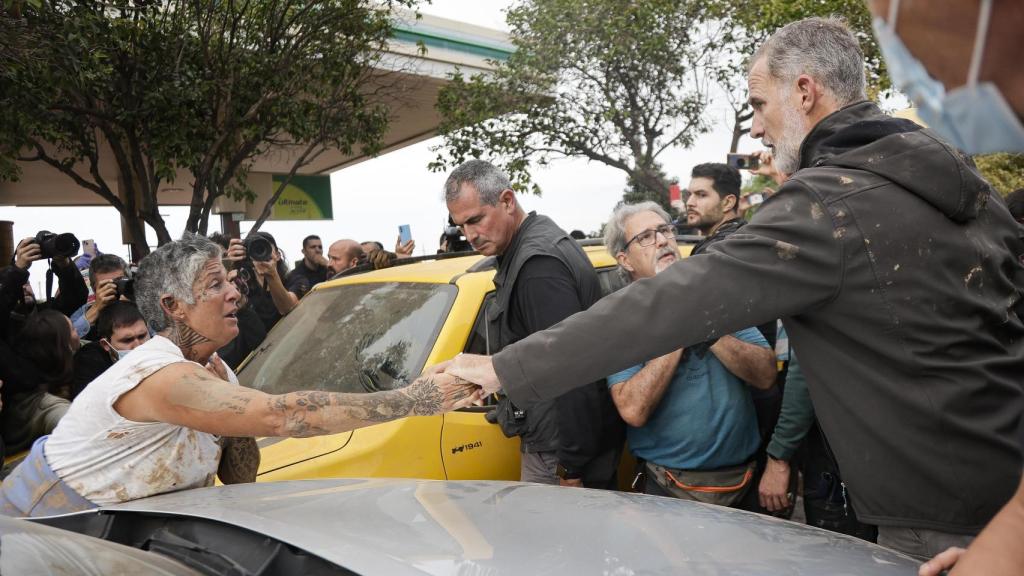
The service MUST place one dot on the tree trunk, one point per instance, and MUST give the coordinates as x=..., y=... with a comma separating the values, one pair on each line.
x=738, y=129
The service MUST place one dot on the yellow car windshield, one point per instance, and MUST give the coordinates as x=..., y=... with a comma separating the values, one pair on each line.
x=351, y=338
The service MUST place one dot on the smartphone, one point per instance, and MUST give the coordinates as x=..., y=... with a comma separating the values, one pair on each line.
x=404, y=233
x=743, y=161
x=89, y=247
x=755, y=199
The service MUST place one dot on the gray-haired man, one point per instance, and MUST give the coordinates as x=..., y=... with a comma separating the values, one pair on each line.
x=894, y=268
x=690, y=414
x=543, y=277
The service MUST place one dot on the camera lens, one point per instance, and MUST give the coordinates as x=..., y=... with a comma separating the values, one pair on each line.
x=259, y=249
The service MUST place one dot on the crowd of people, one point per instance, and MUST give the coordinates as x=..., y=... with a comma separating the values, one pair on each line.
x=883, y=257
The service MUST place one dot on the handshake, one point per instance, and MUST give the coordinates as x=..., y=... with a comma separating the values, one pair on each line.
x=463, y=381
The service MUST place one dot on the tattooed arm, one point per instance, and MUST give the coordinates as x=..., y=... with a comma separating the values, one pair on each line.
x=187, y=395
x=239, y=460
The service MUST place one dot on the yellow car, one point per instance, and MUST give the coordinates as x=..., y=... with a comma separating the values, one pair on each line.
x=377, y=331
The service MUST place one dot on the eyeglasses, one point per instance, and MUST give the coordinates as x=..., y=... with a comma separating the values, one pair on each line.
x=647, y=237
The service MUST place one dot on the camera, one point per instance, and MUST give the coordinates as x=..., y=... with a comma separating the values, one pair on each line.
x=259, y=248
x=51, y=245
x=743, y=161
x=453, y=239
x=124, y=287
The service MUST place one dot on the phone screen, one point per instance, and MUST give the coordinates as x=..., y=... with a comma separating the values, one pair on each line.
x=404, y=233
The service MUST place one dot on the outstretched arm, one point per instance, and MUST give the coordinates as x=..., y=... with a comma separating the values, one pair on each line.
x=187, y=395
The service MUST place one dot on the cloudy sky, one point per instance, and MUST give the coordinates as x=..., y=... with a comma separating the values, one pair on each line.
x=373, y=198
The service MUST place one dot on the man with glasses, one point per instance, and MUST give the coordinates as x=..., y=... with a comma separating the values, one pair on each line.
x=690, y=414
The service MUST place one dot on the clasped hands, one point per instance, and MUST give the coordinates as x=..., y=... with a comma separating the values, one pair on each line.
x=475, y=370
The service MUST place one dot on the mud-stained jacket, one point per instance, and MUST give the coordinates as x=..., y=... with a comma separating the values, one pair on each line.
x=896, y=270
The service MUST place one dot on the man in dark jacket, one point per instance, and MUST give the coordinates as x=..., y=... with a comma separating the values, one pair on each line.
x=896, y=271
x=543, y=277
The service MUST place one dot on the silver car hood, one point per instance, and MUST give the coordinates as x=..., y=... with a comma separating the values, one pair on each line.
x=402, y=526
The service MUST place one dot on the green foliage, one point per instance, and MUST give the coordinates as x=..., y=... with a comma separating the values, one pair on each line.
x=637, y=191
x=607, y=80
x=1003, y=171
x=198, y=85
x=745, y=24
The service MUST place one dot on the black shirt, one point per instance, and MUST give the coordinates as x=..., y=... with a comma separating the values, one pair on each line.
x=300, y=280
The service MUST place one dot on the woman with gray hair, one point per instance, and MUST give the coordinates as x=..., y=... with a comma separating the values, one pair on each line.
x=171, y=414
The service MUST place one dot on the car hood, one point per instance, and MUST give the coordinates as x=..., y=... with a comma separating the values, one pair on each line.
x=402, y=526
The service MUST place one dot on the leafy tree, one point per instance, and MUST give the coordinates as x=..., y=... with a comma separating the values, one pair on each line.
x=613, y=81
x=743, y=25
x=1003, y=171
x=198, y=85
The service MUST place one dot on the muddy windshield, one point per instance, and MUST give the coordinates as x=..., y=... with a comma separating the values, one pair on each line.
x=352, y=338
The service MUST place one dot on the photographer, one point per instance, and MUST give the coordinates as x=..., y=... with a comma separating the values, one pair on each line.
x=261, y=273
x=105, y=271
x=17, y=292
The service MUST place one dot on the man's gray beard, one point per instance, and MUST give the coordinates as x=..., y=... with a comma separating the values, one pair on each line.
x=786, y=153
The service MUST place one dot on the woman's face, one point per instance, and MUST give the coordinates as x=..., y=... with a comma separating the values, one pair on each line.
x=216, y=303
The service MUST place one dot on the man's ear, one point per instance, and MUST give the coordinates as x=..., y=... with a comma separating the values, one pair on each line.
x=729, y=202
x=809, y=92
x=508, y=200
x=624, y=262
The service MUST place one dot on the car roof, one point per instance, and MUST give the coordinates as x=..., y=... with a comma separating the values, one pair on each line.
x=409, y=526
x=446, y=268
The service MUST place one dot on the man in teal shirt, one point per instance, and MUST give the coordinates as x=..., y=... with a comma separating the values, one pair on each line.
x=691, y=418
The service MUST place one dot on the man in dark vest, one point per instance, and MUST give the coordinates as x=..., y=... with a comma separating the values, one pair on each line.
x=542, y=277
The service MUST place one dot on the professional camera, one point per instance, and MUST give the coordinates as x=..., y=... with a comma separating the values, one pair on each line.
x=259, y=248
x=453, y=239
x=124, y=287
x=51, y=244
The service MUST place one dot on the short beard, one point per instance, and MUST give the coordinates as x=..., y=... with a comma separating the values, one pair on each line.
x=786, y=149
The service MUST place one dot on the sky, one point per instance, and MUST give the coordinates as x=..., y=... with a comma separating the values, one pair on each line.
x=373, y=198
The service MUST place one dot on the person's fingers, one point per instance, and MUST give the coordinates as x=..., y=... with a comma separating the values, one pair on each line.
x=436, y=368
x=216, y=367
x=942, y=561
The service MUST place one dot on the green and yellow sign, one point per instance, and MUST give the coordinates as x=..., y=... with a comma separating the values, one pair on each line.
x=305, y=198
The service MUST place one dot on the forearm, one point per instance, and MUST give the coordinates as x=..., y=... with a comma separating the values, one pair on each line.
x=73, y=292
x=312, y=413
x=637, y=397
x=796, y=416
x=239, y=460
x=751, y=363
x=284, y=300
x=997, y=550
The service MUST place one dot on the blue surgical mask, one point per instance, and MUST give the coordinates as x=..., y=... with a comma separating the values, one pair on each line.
x=120, y=353
x=975, y=118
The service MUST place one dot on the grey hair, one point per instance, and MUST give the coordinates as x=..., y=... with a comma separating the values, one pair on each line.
x=488, y=180
x=172, y=269
x=825, y=49
x=615, y=230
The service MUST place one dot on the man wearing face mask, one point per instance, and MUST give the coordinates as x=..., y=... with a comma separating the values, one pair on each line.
x=895, y=269
x=121, y=329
